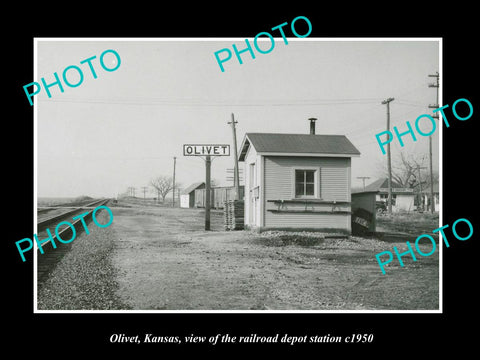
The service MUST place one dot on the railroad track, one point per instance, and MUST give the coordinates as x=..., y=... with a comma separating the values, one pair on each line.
x=45, y=223
x=47, y=261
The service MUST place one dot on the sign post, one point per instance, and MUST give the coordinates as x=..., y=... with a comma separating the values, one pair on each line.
x=208, y=151
x=208, y=164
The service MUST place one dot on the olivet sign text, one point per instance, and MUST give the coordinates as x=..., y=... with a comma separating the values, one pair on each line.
x=203, y=150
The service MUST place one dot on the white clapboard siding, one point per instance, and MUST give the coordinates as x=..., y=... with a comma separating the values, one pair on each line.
x=307, y=221
x=334, y=173
x=333, y=185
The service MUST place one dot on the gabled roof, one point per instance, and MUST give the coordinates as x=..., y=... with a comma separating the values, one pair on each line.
x=301, y=144
x=382, y=183
x=192, y=187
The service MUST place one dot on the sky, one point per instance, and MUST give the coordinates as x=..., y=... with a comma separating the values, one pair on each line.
x=123, y=128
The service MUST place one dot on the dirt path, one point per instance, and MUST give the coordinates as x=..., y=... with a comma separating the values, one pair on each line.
x=167, y=261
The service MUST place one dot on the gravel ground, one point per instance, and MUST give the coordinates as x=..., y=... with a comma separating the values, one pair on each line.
x=85, y=278
x=169, y=263
x=161, y=259
x=305, y=238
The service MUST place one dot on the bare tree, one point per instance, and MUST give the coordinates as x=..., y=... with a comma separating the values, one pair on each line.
x=405, y=171
x=163, y=185
x=435, y=179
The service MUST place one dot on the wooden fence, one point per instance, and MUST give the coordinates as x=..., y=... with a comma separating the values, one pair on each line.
x=218, y=196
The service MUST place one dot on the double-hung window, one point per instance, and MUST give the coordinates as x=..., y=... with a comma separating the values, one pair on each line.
x=306, y=183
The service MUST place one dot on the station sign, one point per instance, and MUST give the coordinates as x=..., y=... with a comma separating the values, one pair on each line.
x=206, y=149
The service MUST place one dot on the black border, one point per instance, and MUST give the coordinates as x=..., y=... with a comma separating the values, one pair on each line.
x=407, y=334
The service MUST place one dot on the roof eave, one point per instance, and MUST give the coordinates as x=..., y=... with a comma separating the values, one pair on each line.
x=244, y=148
x=270, y=153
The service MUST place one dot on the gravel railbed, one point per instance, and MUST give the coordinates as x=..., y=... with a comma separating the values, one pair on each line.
x=85, y=278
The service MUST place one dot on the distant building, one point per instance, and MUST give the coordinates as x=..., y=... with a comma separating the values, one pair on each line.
x=194, y=196
x=402, y=198
x=425, y=197
x=187, y=196
x=297, y=181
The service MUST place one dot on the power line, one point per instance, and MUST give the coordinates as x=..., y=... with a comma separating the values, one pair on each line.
x=397, y=119
x=410, y=103
x=199, y=102
x=411, y=91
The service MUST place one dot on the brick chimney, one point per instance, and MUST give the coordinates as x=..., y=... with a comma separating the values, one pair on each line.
x=312, y=125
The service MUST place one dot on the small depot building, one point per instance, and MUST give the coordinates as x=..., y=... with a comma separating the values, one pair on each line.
x=297, y=181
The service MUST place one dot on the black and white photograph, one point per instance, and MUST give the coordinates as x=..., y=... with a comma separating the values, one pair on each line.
x=225, y=180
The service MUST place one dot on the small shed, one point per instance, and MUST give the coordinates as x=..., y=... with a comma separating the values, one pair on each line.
x=201, y=196
x=187, y=196
x=297, y=181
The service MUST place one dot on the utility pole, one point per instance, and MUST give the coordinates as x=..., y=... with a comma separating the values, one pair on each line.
x=420, y=182
x=173, y=192
x=363, y=178
x=389, y=157
x=144, y=190
x=435, y=116
x=208, y=163
x=231, y=177
x=236, y=178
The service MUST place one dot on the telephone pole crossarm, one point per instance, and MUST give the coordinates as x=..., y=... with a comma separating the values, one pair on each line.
x=363, y=179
